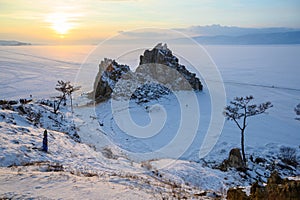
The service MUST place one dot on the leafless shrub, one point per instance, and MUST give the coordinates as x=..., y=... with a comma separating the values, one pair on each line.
x=288, y=155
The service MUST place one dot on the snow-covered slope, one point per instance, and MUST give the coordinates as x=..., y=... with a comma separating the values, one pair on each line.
x=98, y=167
x=76, y=167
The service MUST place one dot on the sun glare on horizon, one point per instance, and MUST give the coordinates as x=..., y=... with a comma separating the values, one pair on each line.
x=60, y=23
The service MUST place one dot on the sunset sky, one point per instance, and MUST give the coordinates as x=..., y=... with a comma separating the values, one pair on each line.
x=50, y=21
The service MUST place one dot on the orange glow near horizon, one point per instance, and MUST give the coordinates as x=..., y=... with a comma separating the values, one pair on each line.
x=60, y=23
x=89, y=21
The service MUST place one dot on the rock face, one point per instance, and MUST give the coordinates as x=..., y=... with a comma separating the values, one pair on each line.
x=158, y=74
x=108, y=75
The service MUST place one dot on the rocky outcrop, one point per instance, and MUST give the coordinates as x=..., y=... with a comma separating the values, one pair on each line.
x=234, y=160
x=276, y=189
x=158, y=74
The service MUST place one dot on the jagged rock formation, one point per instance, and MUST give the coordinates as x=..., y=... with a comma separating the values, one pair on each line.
x=276, y=189
x=158, y=74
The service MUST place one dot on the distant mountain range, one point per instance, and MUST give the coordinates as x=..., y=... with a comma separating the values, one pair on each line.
x=216, y=29
x=292, y=37
x=12, y=43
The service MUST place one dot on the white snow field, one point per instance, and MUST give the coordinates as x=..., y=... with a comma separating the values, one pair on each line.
x=110, y=163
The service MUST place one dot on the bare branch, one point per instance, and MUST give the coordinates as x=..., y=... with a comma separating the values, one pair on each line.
x=237, y=123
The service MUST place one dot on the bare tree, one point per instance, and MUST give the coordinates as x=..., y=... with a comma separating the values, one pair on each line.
x=239, y=110
x=61, y=87
x=66, y=89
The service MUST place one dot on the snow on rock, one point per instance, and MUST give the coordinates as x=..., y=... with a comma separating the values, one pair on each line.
x=109, y=73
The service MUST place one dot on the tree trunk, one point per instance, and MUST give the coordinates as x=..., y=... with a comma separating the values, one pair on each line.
x=243, y=146
x=71, y=103
x=243, y=135
x=58, y=104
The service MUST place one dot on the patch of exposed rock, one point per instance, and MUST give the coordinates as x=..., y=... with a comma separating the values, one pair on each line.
x=158, y=74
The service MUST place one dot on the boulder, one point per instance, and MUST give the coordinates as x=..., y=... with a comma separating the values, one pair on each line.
x=234, y=160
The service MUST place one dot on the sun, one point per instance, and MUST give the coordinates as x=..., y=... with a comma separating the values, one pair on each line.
x=60, y=23
x=61, y=26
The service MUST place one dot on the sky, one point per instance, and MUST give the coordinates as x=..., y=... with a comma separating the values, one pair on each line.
x=52, y=21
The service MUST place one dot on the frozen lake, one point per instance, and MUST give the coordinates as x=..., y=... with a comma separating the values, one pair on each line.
x=24, y=69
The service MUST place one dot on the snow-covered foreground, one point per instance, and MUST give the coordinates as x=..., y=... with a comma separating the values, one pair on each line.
x=18, y=184
x=71, y=169
x=105, y=164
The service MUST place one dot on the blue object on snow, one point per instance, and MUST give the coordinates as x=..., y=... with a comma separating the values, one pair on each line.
x=45, y=142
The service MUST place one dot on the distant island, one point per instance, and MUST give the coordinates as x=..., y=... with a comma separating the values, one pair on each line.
x=13, y=43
